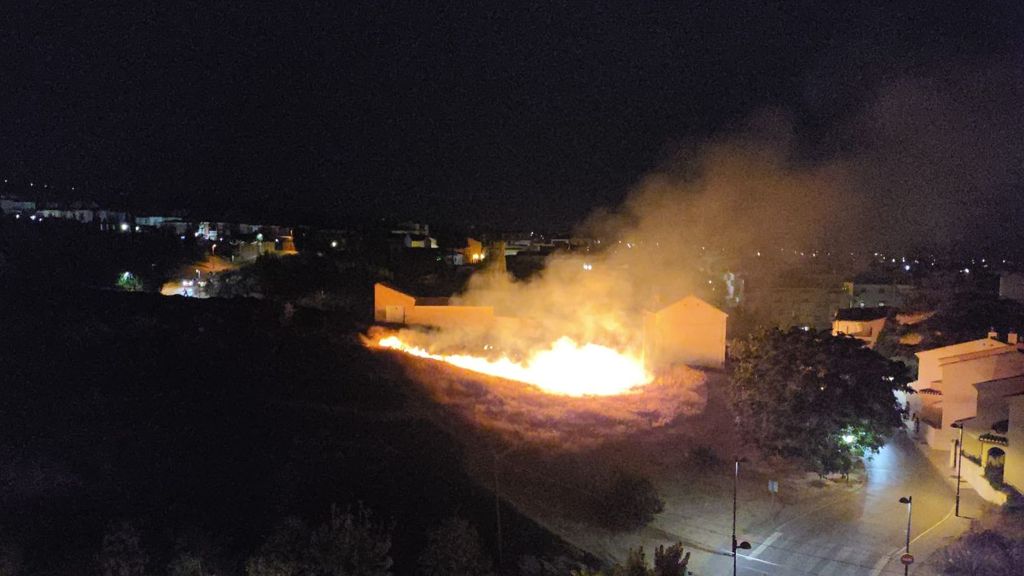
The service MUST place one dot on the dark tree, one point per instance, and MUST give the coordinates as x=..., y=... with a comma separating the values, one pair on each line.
x=671, y=561
x=350, y=543
x=628, y=502
x=121, y=554
x=810, y=395
x=453, y=549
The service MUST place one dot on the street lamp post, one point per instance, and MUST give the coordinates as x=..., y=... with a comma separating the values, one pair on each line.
x=959, y=459
x=909, y=501
x=736, y=545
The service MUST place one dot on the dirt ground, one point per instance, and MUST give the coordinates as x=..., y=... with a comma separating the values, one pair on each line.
x=554, y=487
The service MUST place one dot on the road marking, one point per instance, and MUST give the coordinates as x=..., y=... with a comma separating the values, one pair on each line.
x=934, y=526
x=757, y=560
x=883, y=562
x=764, y=545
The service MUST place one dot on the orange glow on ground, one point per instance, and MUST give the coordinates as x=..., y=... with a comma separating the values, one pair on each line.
x=566, y=368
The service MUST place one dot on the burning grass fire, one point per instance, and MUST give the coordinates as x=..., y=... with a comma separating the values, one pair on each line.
x=565, y=395
x=564, y=368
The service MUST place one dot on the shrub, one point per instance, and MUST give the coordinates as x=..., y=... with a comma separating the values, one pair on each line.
x=453, y=549
x=629, y=502
x=703, y=456
x=985, y=553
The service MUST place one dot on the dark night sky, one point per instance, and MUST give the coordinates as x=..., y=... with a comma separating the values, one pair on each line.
x=485, y=112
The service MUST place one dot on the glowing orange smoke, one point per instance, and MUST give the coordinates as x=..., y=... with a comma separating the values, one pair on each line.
x=566, y=368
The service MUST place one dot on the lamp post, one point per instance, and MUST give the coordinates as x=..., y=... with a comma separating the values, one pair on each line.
x=736, y=545
x=909, y=501
x=959, y=458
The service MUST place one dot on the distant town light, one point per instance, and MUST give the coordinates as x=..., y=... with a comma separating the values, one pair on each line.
x=906, y=267
x=334, y=243
x=124, y=227
x=32, y=217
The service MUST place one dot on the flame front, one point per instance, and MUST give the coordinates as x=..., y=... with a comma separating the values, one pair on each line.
x=565, y=368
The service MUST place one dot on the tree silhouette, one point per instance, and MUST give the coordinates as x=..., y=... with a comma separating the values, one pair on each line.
x=810, y=395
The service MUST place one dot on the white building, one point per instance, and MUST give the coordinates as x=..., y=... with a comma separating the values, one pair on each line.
x=948, y=382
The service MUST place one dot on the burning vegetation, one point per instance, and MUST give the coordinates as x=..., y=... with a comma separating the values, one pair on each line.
x=565, y=368
x=569, y=395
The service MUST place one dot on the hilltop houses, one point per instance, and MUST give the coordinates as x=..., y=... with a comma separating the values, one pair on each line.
x=864, y=324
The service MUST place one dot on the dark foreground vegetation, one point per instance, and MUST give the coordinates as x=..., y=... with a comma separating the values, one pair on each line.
x=151, y=435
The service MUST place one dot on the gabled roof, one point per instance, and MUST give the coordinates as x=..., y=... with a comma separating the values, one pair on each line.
x=692, y=302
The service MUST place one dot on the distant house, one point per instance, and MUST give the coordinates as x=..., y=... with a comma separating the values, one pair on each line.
x=414, y=235
x=12, y=205
x=875, y=292
x=474, y=252
x=865, y=324
x=957, y=382
x=393, y=306
x=689, y=331
x=801, y=299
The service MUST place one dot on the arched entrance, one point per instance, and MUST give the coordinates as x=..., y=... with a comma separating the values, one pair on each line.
x=995, y=457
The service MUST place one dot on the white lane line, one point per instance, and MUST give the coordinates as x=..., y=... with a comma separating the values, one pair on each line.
x=764, y=545
x=934, y=526
x=757, y=560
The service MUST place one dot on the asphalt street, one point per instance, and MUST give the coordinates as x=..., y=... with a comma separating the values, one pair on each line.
x=863, y=532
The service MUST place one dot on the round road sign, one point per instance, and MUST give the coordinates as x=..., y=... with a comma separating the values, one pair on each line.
x=907, y=559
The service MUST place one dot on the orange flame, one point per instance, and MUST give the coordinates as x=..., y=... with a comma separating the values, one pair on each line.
x=566, y=368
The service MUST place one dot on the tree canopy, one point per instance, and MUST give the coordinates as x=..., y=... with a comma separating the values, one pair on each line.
x=453, y=549
x=810, y=395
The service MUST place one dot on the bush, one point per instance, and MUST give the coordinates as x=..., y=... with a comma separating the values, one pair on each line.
x=994, y=475
x=454, y=550
x=985, y=553
x=703, y=456
x=629, y=502
x=348, y=543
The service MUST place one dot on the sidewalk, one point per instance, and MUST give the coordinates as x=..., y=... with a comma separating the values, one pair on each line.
x=972, y=506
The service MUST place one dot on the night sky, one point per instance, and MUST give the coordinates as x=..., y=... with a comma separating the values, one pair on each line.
x=495, y=113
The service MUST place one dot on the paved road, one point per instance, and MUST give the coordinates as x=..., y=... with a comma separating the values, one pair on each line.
x=858, y=533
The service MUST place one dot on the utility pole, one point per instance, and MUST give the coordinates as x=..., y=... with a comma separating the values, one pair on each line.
x=909, y=501
x=736, y=545
x=959, y=459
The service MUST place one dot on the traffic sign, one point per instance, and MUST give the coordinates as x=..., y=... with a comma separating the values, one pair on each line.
x=907, y=559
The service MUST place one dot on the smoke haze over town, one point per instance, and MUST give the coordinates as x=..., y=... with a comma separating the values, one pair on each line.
x=518, y=120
